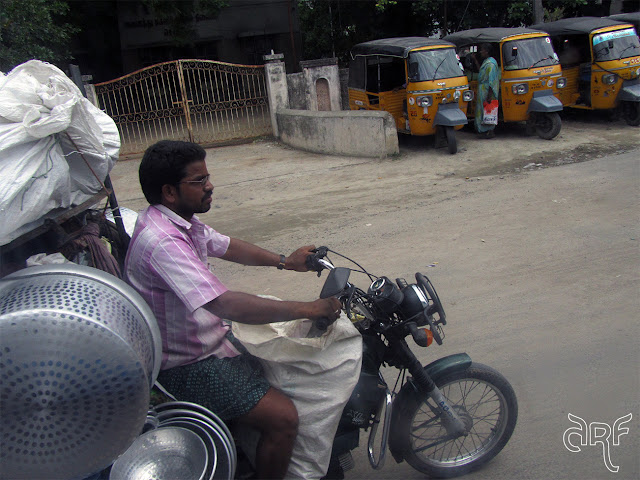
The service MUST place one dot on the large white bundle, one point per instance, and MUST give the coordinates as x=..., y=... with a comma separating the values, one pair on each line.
x=318, y=374
x=42, y=115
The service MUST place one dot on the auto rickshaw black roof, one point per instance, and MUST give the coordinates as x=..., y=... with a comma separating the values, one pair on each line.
x=396, y=47
x=486, y=35
x=632, y=17
x=576, y=26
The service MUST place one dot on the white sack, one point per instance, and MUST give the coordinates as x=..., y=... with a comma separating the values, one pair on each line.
x=41, y=169
x=318, y=374
x=44, y=259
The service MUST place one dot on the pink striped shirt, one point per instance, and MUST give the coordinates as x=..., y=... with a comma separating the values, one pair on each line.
x=167, y=264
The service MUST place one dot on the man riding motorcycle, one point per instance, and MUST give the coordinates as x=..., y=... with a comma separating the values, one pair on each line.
x=167, y=264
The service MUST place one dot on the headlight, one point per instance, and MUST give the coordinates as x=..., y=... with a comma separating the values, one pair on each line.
x=561, y=82
x=467, y=96
x=609, y=79
x=425, y=101
x=520, y=88
x=456, y=95
x=638, y=72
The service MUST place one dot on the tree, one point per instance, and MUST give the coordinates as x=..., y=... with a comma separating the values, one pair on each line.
x=331, y=27
x=34, y=29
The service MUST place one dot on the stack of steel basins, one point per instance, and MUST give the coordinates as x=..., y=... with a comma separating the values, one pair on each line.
x=80, y=351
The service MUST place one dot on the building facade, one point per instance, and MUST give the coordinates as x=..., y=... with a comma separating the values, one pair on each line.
x=242, y=33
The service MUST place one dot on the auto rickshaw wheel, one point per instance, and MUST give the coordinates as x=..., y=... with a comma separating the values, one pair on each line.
x=452, y=143
x=631, y=113
x=547, y=125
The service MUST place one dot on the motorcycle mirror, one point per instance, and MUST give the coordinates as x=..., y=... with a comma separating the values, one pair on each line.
x=336, y=282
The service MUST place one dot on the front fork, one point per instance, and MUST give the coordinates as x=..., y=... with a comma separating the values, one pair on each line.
x=386, y=406
x=424, y=383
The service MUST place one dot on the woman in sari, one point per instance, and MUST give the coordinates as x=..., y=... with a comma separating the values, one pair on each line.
x=488, y=89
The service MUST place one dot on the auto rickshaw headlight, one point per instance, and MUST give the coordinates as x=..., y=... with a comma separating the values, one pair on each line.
x=609, y=79
x=561, y=82
x=467, y=95
x=425, y=101
x=520, y=88
x=456, y=95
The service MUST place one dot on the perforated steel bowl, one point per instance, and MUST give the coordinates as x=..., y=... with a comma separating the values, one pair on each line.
x=79, y=352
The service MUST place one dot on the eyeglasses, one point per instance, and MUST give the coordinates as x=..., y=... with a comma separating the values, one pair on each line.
x=202, y=182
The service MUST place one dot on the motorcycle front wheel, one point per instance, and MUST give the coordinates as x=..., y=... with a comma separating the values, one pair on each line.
x=482, y=398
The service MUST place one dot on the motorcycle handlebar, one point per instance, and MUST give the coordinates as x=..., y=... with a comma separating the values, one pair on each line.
x=323, y=323
x=317, y=262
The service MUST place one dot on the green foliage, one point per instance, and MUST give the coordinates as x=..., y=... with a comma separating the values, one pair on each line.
x=557, y=9
x=520, y=13
x=34, y=29
x=180, y=16
x=332, y=27
x=381, y=5
x=452, y=15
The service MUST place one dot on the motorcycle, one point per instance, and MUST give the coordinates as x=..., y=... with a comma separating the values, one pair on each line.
x=446, y=418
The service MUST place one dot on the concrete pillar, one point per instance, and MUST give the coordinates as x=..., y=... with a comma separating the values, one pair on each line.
x=318, y=75
x=276, y=78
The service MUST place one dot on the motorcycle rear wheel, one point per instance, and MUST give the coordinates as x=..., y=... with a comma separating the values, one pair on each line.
x=486, y=403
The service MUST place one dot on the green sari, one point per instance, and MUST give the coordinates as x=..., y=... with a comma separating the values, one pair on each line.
x=488, y=89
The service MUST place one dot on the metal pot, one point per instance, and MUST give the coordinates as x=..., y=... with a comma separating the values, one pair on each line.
x=80, y=352
x=205, y=436
x=168, y=453
x=226, y=447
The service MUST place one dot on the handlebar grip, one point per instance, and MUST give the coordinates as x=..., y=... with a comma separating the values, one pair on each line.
x=312, y=260
x=310, y=263
x=323, y=323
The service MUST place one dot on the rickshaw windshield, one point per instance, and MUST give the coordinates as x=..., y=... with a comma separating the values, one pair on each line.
x=427, y=65
x=528, y=53
x=616, y=45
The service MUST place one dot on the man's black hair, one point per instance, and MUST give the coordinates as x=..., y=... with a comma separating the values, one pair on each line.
x=165, y=163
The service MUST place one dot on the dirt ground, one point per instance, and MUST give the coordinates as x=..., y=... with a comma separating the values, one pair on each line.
x=266, y=189
x=537, y=267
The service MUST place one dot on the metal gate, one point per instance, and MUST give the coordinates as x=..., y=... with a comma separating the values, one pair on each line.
x=201, y=101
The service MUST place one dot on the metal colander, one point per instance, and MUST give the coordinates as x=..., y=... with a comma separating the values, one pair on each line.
x=79, y=352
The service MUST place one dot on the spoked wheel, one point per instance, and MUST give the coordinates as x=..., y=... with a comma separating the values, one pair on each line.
x=452, y=143
x=631, y=113
x=548, y=125
x=486, y=404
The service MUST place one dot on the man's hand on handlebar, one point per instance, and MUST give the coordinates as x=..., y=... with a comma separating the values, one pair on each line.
x=326, y=308
x=297, y=260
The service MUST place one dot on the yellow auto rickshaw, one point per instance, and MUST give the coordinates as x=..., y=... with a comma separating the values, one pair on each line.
x=601, y=59
x=418, y=80
x=530, y=75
